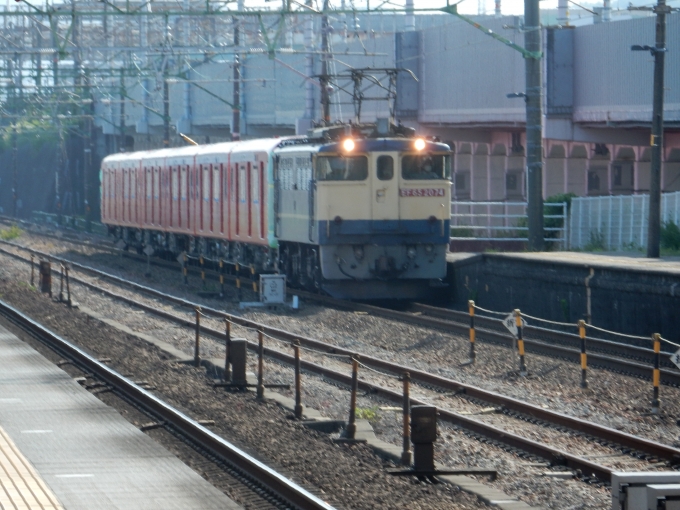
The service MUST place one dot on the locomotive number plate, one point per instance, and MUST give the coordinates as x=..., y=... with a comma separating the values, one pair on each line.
x=427, y=192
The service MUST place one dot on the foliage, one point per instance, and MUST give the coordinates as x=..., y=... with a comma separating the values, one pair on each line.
x=11, y=233
x=367, y=413
x=461, y=232
x=670, y=236
x=596, y=242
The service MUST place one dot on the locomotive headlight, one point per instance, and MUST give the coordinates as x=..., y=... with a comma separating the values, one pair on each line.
x=358, y=252
x=348, y=144
x=411, y=252
x=429, y=248
x=419, y=144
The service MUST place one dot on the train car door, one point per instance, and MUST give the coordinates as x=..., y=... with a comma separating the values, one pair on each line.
x=133, y=195
x=206, y=191
x=384, y=191
x=182, y=206
x=174, y=185
x=215, y=198
x=147, y=193
x=156, y=195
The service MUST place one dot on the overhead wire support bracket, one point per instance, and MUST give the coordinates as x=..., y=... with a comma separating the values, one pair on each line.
x=453, y=9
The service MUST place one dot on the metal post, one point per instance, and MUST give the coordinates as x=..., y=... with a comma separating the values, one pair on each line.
x=197, y=357
x=252, y=276
x=68, y=287
x=406, y=450
x=659, y=51
x=656, y=403
x=584, y=357
x=221, y=278
x=184, y=269
x=200, y=261
x=471, y=308
x=260, y=364
x=61, y=282
x=32, y=272
x=227, y=348
x=534, y=123
x=298, y=381
x=351, y=425
x=520, y=343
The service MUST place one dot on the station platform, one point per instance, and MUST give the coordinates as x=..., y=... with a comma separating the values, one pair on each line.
x=622, y=292
x=62, y=448
x=623, y=261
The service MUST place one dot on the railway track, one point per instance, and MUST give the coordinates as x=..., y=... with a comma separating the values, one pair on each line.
x=276, y=487
x=634, y=360
x=618, y=442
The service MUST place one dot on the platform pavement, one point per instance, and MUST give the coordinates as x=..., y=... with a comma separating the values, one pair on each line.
x=625, y=261
x=62, y=448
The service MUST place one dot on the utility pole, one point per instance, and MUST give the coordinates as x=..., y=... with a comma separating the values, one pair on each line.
x=656, y=140
x=325, y=93
x=534, y=125
x=236, y=99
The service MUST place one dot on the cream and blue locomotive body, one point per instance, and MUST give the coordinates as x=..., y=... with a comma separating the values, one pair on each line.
x=360, y=217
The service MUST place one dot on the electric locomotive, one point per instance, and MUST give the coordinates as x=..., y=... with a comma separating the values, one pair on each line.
x=357, y=211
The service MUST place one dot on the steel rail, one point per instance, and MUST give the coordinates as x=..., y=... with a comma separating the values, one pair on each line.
x=275, y=482
x=627, y=441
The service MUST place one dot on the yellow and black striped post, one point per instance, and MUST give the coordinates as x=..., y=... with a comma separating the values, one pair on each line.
x=252, y=277
x=584, y=356
x=656, y=403
x=185, y=259
x=238, y=281
x=520, y=343
x=221, y=278
x=471, y=308
x=200, y=261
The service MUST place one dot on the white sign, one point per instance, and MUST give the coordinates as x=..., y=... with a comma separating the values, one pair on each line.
x=675, y=358
x=272, y=288
x=510, y=322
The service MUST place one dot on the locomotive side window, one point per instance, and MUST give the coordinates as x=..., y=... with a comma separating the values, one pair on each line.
x=338, y=168
x=385, y=170
x=425, y=166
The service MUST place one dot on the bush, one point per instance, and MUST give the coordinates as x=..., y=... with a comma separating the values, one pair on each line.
x=596, y=242
x=11, y=233
x=670, y=236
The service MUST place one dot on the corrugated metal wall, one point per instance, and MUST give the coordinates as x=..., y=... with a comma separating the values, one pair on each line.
x=466, y=74
x=613, y=83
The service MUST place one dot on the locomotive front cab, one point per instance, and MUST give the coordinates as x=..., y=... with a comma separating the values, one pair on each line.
x=383, y=209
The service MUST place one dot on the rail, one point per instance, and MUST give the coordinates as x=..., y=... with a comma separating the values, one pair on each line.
x=275, y=482
x=649, y=448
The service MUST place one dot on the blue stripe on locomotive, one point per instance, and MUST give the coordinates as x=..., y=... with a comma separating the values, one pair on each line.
x=383, y=232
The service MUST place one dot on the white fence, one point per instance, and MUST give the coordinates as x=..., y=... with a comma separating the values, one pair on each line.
x=504, y=221
x=616, y=222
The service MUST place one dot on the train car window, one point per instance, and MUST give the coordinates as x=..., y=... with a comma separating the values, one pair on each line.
x=339, y=168
x=425, y=166
x=385, y=168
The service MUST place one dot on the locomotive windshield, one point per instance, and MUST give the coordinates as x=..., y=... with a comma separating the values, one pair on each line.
x=341, y=168
x=426, y=166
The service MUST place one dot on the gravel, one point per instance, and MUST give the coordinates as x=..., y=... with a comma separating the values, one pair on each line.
x=613, y=399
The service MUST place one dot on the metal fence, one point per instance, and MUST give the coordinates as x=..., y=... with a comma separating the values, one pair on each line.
x=505, y=221
x=616, y=222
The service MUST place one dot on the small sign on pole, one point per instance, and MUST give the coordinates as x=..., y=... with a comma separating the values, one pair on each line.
x=511, y=323
x=675, y=358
